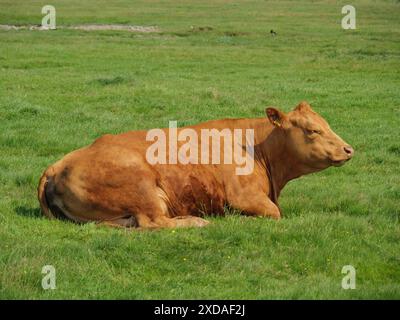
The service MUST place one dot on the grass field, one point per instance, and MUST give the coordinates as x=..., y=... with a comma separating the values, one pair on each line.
x=61, y=89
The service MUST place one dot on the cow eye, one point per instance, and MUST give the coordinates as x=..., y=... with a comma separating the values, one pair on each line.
x=311, y=132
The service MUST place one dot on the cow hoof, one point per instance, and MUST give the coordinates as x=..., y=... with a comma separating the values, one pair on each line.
x=190, y=221
x=199, y=222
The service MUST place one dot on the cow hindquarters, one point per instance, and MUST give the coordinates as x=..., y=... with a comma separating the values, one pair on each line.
x=133, y=200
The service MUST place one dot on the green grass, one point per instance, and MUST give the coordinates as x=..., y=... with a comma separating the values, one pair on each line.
x=61, y=89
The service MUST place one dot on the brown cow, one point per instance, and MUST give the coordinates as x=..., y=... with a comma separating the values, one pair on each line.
x=112, y=182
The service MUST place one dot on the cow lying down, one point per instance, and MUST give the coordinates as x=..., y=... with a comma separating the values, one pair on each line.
x=130, y=180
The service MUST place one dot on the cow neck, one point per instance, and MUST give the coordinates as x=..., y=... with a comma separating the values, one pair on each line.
x=272, y=154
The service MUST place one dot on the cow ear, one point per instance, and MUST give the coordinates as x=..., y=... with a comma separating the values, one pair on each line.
x=275, y=116
x=303, y=106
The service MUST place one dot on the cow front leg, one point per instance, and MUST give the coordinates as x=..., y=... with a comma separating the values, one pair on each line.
x=189, y=221
x=166, y=222
x=123, y=222
x=260, y=206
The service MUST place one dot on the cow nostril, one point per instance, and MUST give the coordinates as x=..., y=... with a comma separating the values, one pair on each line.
x=349, y=150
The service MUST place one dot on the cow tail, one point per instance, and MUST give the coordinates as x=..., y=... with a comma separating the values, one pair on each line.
x=44, y=205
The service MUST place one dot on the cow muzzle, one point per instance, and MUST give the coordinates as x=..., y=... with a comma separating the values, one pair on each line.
x=348, y=152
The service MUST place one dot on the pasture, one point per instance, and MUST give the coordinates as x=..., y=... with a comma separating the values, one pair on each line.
x=208, y=59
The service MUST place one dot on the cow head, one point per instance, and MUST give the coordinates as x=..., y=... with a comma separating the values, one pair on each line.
x=309, y=139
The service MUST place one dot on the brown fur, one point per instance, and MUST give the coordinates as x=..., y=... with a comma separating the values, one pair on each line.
x=111, y=182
